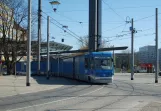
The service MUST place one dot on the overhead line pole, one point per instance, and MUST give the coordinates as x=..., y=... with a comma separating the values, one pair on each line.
x=92, y=25
x=48, y=48
x=157, y=53
x=29, y=45
x=132, y=49
x=99, y=24
x=39, y=34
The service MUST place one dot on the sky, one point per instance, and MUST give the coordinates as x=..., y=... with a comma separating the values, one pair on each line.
x=114, y=14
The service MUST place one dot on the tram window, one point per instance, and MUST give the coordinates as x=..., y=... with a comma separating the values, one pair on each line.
x=101, y=63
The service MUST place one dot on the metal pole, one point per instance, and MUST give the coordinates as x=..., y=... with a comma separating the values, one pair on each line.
x=113, y=56
x=92, y=25
x=39, y=35
x=29, y=45
x=157, y=53
x=48, y=48
x=99, y=24
x=114, y=59
x=132, y=50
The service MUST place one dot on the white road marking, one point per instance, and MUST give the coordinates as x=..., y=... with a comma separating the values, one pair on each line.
x=57, y=100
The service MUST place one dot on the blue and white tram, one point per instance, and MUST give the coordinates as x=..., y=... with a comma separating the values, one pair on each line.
x=95, y=67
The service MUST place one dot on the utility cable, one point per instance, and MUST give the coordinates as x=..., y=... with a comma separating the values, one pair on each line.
x=113, y=10
x=63, y=30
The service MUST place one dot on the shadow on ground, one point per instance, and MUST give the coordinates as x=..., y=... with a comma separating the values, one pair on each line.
x=57, y=81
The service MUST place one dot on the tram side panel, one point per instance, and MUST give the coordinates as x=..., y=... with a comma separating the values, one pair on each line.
x=21, y=68
x=43, y=67
x=68, y=68
x=18, y=67
x=53, y=67
x=60, y=67
x=79, y=68
x=34, y=68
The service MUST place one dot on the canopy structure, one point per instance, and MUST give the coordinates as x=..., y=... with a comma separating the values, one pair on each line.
x=86, y=50
x=54, y=46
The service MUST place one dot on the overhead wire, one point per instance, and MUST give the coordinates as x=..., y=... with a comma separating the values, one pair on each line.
x=137, y=7
x=69, y=18
x=143, y=18
x=75, y=35
x=115, y=27
x=80, y=22
x=63, y=25
x=117, y=35
x=105, y=9
x=64, y=16
x=109, y=8
x=63, y=29
x=130, y=37
x=113, y=10
x=150, y=28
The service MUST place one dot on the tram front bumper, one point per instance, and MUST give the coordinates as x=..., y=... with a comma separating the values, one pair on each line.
x=104, y=79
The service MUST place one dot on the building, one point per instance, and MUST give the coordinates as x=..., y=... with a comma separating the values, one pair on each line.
x=160, y=58
x=147, y=54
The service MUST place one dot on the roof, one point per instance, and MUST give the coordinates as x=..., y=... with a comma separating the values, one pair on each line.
x=54, y=45
x=86, y=50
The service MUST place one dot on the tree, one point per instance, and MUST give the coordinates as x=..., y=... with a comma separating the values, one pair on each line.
x=128, y=53
x=127, y=57
x=83, y=42
x=13, y=21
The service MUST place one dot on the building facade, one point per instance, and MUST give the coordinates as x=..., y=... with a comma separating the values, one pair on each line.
x=147, y=54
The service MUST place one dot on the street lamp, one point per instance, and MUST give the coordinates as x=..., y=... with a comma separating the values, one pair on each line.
x=55, y=2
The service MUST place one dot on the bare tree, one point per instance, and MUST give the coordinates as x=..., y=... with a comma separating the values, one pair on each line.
x=83, y=42
x=13, y=21
x=128, y=55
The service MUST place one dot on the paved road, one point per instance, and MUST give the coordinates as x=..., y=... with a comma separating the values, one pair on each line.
x=122, y=95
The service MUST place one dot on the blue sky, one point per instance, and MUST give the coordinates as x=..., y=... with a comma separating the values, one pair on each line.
x=114, y=14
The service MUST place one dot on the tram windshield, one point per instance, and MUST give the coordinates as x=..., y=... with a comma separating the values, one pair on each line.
x=103, y=63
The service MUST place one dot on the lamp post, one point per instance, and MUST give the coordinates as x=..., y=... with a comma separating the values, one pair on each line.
x=29, y=45
x=55, y=2
x=48, y=41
